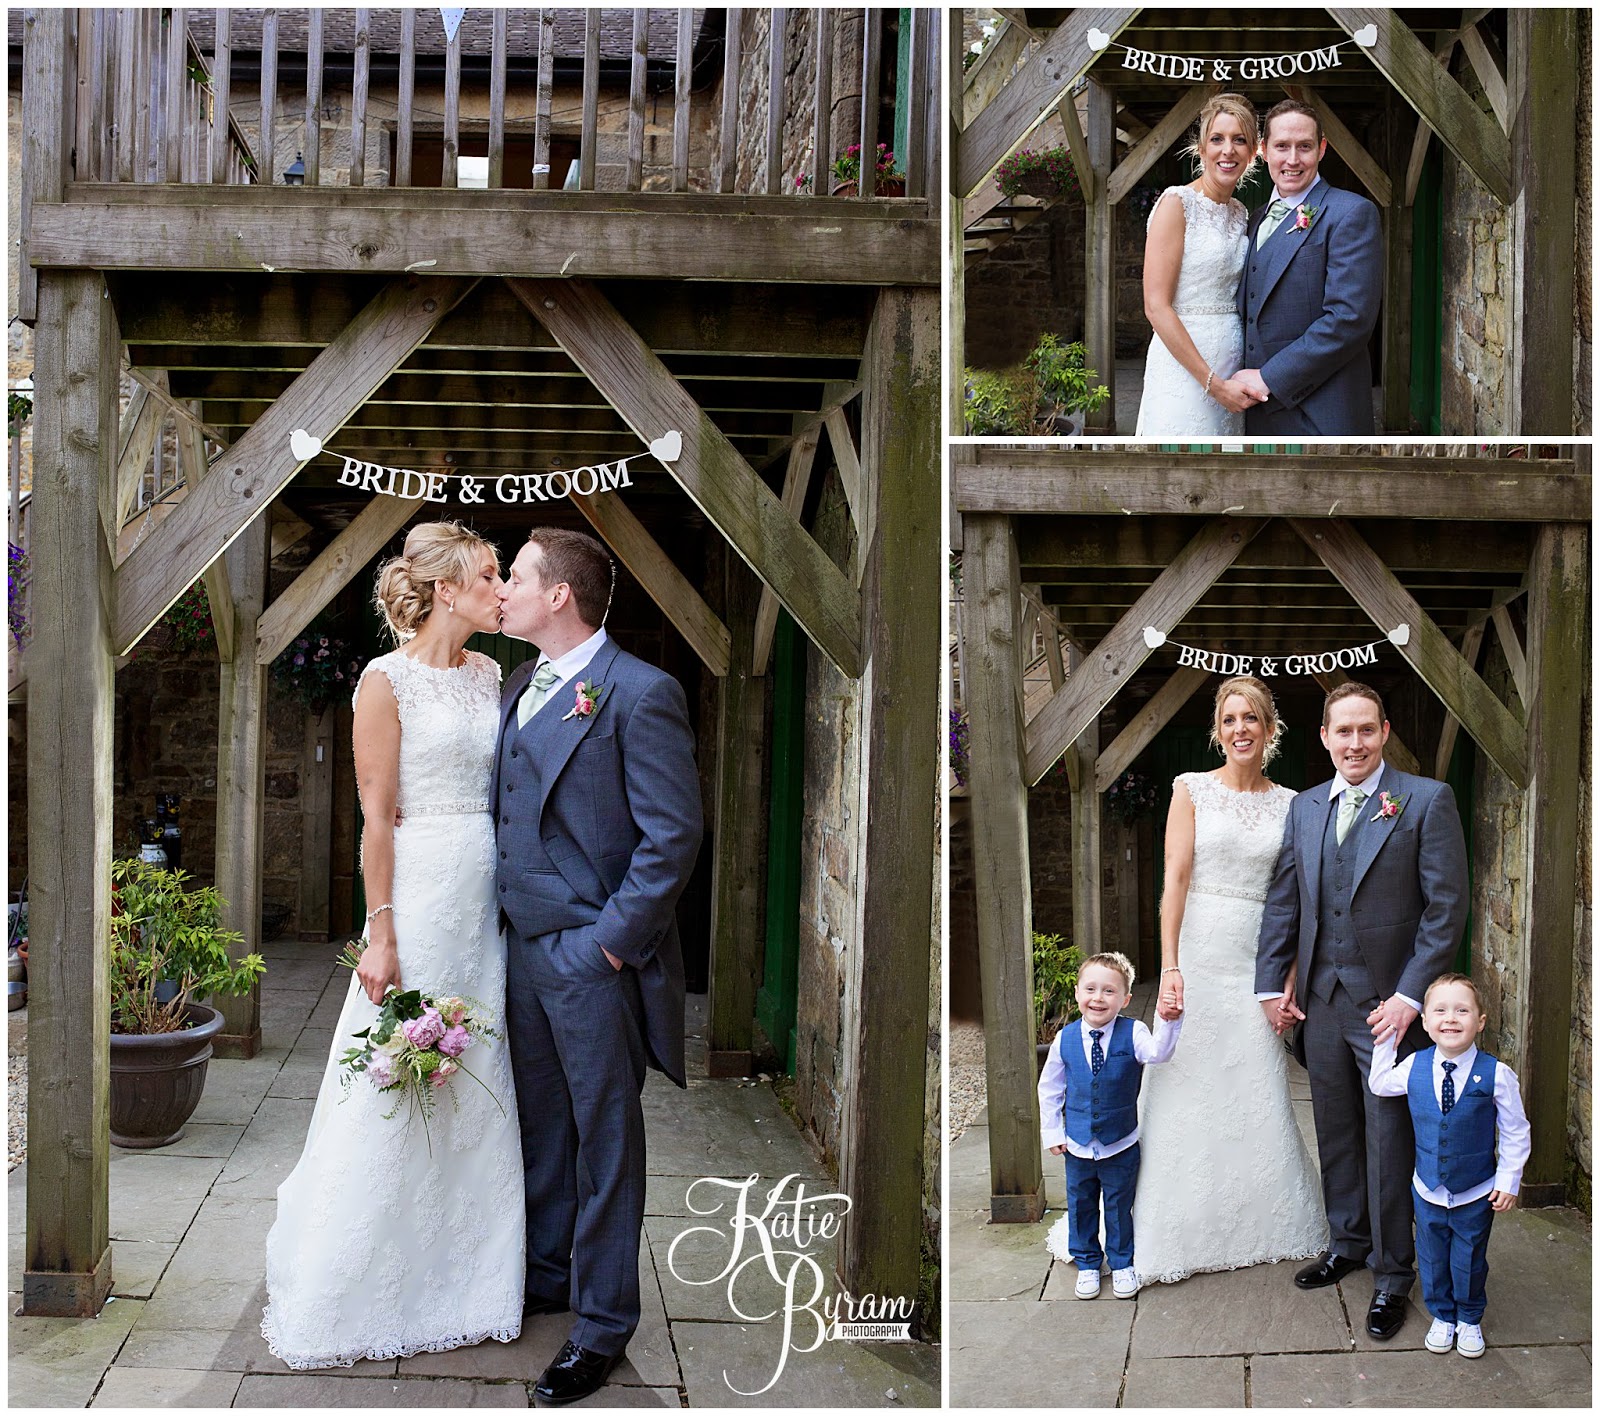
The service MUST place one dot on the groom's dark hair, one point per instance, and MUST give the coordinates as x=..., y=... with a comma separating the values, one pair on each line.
x=1290, y=105
x=1352, y=689
x=582, y=563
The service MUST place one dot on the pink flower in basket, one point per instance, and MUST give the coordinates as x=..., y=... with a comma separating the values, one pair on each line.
x=426, y=1030
x=456, y=1041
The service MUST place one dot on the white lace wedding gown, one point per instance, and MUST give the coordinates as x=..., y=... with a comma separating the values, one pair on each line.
x=1215, y=244
x=1225, y=1179
x=381, y=1248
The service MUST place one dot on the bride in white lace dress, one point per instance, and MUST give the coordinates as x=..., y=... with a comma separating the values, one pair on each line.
x=1225, y=1179
x=1194, y=254
x=388, y=1240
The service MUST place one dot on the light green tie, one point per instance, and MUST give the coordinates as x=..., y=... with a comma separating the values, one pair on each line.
x=1270, y=223
x=1349, y=806
x=545, y=678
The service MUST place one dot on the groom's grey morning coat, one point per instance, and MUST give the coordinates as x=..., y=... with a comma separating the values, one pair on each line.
x=1309, y=301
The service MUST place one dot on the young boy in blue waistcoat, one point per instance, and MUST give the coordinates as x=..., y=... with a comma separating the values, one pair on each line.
x=1460, y=1098
x=1089, y=1112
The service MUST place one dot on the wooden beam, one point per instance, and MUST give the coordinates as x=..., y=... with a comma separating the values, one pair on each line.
x=1398, y=221
x=1512, y=647
x=1452, y=724
x=886, y=1042
x=67, y=1262
x=219, y=589
x=49, y=121
x=1463, y=127
x=1018, y=108
x=141, y=421
x=640, y=387
x=1001, y=873
x=1153, y=147
x=1066, y=114
x=984, y=80
x=1059, y=723
x=1085, y=843
x=1145, y=724
x=849, y=465
x=156, y=386
x=1100, y=261
x=1558, y=677
x=314, y=588
x=1037, y=480
x=1346, y=144
x=695, y=620
x=1488, y=72
x=359, y=230
x=242, y=778
x=261, y=464
x=796, y=483
x=1373, y=586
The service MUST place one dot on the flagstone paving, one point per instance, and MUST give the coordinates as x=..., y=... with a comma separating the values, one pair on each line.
x=189, y=1224
x=1018, y=1337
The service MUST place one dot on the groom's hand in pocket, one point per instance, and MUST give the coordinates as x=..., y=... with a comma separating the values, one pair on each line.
x=611, y=958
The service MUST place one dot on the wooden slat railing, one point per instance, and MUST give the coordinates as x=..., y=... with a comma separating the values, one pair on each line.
x=162, y=96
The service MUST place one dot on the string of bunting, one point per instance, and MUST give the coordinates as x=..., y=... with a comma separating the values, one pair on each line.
x=1270, y=665
x=1193, y=68
x=511, y=488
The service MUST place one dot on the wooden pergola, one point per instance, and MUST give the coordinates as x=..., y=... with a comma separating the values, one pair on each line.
x=486, y=332
x=1263, y=554
x=1519, y=140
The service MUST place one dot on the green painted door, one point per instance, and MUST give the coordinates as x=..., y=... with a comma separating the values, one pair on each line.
x=776, y=1001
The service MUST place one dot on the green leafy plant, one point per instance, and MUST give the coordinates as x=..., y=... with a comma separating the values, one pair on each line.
x=1000, y=401
x=847, y=166
x=19, y=408
x=1053, y=381
x=1046, y=173
x=1055, y=983
x=162, y=931
x=1063, y=376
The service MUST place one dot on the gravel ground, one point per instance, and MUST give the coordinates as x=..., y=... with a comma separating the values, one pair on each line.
x=17, y=1107
x=968, y=1088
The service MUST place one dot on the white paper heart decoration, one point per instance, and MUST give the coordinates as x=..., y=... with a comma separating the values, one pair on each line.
x=1098, y=39
x=668, y=447
x=452, y=21
x=1153, y=637
x=1400, y=635
x=303, y=445
x=1366, y=36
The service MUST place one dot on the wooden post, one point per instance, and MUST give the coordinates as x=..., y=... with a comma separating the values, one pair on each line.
x=408, y=90
x=1003, y=881
x=1558, y=671
x=591, y=100
x=1398, y=216
x=1086, y=873
x=740, y=840
x=241, y=780
x=49, y=117
x=67, y=1268
x=887, y=1053
x=1543, y=59
x=1100, y=256
x=358, y=99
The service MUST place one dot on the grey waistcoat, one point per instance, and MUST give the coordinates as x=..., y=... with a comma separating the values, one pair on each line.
x=1335, y=957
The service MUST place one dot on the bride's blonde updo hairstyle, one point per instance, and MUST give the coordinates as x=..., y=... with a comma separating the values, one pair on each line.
x=1237, y=106
x=1259, y=697
x=435, y=550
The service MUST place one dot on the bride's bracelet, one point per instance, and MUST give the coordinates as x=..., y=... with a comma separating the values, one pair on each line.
x=1210, y=374
x=1172, y=969
x=374, y=913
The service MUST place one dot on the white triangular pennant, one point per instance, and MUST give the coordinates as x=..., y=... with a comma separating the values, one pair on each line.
x=452, y=21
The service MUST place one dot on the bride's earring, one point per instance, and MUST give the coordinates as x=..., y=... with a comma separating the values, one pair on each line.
x=450, y=605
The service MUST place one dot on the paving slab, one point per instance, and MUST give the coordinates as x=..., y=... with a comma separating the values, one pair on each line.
x=205, y=1139
x=988, y=1261
x=1510, y=1376
x=207, y=1302
x=234, y=1089
x=326, y=1014
x=519, y=1360
x=268, y=1150
x=1034, y=1354
x=136, y=1266
x=154, y=1386
x=1540, y=1278
x=694, y=1284
x=305, y=974
x=300, y=1078
x=60, y=1361
x=310, y=1391
x=1249, y=1310
x=1355, y=1291
x=238, y=1349
x=723, y=1128
x=668, y=1195
x=836, y=1374
x=155, y=1197
x=1185, y=1381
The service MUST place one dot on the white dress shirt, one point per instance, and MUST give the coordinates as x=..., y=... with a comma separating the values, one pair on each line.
x=1514, y=1137
x=570, y=664
x=1149, y=1049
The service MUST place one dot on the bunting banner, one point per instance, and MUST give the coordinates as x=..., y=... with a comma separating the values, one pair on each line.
x=1271, y=665
x=511, y=488
x=1194, y=68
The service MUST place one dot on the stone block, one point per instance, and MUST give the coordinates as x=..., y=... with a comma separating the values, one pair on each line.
x=155, y=1386
x=234, y=1089
x=1514, y=1376
x=154, y=1197
x=201, y=1302
x=61, y=1361
x=1029, y=1353
x=1185, y=1381
x=309, y=1391
x=137, y=1266
x=995, y=1262
x=1246, y=1311
x=267, y=1151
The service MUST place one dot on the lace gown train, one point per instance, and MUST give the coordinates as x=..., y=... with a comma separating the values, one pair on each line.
x=1215, y=245
x=389, y=1240
x=1225, y=1179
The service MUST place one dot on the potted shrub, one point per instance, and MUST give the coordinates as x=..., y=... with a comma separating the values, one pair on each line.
x=164, y=932
x=1055, y=988
x=1047, y=393
x=847, y=173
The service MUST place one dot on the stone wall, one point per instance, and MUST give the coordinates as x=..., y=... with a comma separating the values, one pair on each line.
x=1475, y=259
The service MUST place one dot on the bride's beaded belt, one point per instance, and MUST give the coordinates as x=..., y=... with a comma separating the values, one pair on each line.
x=1183, y=311
x=1233, y=892
x=444, y=808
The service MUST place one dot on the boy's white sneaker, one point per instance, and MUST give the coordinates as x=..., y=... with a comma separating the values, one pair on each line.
x=1088, y=1285
x=1469, y=1339
x=1441, y=1336
x=1124, y=1283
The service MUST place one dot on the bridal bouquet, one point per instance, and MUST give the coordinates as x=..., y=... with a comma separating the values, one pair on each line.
x=413, y=1048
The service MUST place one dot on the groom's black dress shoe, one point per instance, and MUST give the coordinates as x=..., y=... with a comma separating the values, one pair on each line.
x=576, y=1373
x=1386, y=1314
x=1330, y=1268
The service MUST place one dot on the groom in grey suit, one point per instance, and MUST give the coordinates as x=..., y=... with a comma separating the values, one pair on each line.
x=1309, y=296
x=1366, y=908
x=597, y=825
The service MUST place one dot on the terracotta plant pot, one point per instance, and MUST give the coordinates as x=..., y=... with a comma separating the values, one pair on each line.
x=887, y=187
x=157, y=1078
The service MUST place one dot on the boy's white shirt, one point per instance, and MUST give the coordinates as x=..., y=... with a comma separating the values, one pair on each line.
x=1514, y=1137
x=1150, y=1049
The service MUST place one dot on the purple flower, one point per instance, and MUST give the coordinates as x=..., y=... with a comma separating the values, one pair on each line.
x=379, y=1069
x=455, y=1041
x=426, y=1030
x=299, y=659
